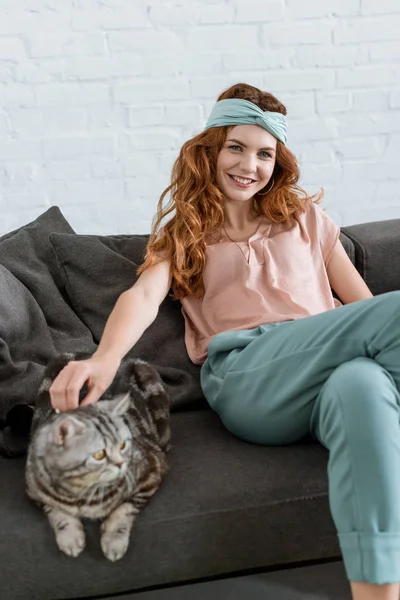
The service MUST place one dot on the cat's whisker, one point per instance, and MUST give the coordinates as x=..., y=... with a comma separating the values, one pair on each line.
x=129, y=480
x=102, y=490
x=93, y=493
x=83, y=492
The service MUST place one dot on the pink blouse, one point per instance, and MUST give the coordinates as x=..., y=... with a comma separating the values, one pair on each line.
x=279, y=274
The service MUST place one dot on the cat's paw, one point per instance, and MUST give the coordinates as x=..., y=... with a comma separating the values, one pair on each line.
x=71, y=540
x=114, y=544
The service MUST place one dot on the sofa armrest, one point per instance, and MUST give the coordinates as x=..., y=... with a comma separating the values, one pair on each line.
x=377, y=253
x=348, y=246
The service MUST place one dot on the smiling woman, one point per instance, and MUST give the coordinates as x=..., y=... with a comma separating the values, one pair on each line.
x=244, y=138
x=244, y=168
x=253, y=260
x=248, y=159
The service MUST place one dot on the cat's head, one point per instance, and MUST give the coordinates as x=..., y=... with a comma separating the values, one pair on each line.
x=89, y=445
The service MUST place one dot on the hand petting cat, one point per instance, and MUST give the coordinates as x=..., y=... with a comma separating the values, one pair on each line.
x=96, y=373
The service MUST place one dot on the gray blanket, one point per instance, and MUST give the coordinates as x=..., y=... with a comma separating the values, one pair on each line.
x=57, y=290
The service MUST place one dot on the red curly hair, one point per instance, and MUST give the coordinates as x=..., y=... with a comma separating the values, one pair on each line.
x=199, y=204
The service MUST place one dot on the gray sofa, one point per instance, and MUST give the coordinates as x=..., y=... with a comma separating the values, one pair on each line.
x=226, y=506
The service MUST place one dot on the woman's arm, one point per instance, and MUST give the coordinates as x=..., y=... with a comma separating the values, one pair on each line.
x=344, y=277
x=132, y=314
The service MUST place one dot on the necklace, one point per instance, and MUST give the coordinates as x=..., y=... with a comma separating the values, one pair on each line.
x=236, y=244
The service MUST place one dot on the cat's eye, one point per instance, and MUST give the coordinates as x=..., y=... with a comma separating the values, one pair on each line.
x=122, y=446
x=99, y=455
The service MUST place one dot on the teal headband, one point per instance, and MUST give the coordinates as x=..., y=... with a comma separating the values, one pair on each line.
x=241, y=112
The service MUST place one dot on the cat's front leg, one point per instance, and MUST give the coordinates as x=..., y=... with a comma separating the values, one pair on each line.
x=70, y=535
x=116, y=530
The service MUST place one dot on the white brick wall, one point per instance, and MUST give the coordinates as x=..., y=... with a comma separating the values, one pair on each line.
x=96, y=98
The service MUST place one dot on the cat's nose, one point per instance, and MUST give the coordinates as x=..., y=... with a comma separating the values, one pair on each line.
x=120, y=464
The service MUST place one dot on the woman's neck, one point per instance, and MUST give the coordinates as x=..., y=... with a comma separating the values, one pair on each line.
x=240, y=217
x=239, y=226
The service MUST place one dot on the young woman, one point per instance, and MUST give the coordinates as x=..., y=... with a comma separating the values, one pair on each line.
x=253, y=259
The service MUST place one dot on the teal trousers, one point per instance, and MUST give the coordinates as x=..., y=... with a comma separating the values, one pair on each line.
x=335, y=375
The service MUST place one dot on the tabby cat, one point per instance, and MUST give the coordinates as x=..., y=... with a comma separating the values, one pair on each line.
x=100, y=461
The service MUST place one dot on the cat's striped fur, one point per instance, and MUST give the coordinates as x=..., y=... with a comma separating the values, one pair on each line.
x=64, y=475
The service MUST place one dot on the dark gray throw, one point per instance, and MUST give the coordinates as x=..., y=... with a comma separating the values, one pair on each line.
x=57, y=290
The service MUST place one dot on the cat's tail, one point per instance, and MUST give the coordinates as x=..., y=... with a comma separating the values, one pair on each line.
x=148, y=381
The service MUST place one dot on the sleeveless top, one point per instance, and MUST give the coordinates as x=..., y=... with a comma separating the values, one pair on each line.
x=279, y=274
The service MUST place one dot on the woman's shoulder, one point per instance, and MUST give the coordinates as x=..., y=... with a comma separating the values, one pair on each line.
x=310, y=213
x=317, y=223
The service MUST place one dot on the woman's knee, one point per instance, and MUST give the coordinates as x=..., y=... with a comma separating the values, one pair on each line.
x=359, y=389
x=358, y=401
x=360, y=372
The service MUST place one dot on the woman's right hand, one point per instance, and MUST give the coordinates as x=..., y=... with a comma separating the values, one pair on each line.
x=97, y=372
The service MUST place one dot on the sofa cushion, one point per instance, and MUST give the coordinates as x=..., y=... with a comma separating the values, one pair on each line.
x=97, y=269
x=27, y=251
x=225, y=506
x=40, y=322
x=51, y=220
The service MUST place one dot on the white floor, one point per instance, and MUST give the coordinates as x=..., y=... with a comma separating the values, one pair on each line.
x=320, y=582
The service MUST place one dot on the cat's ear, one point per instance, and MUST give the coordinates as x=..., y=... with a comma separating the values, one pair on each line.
x=118, y=406
x=66, y=428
